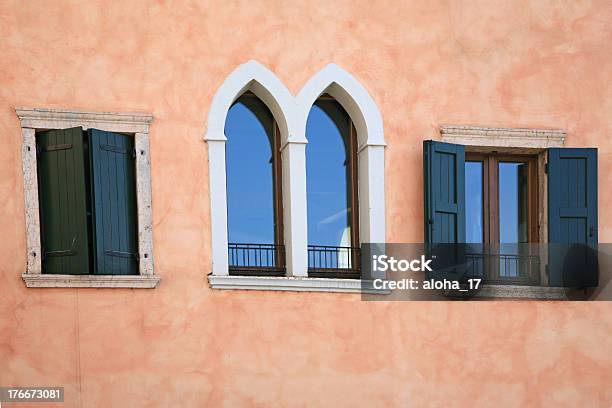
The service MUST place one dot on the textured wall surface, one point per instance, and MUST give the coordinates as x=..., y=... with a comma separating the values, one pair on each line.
x=504, y=63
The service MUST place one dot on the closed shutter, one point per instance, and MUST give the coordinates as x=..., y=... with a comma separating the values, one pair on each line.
x=444, y=171
x=114, y=203
x=63, y=208
x=572, y=217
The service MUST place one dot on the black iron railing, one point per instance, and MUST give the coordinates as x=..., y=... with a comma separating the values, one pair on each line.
x=333, y=261
x=256, y=259
x=497, y=268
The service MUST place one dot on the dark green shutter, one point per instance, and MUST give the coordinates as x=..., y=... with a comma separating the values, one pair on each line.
x=572, y=217
x=444, y=171
x=63, y=208
x=114, y=203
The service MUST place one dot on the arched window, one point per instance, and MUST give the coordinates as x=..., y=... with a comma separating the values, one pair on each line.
x=332, y=193
x=254, y=206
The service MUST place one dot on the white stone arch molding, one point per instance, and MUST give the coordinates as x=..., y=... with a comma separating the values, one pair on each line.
x=364, y=113
x=254, y=77
x=291, y=114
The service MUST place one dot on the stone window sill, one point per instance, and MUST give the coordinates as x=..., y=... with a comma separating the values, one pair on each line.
x=298, y=284
x=90, y=281
x=305, y=284
x=522, y=292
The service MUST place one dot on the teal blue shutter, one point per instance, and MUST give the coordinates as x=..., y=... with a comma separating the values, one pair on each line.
x=444, y=183
x=572, y=217
x=63, y=206
x=444, y=178
x=114, y=203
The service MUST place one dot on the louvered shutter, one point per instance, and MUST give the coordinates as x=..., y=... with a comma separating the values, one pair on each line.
x=62, y=195
x=444, y=178
x=114, y=203
x=572, y=217
x=444, y=183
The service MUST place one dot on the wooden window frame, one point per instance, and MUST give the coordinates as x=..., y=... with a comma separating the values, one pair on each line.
x=490, y=193
x=277, y=191
x=490, y=179
x=352, y=146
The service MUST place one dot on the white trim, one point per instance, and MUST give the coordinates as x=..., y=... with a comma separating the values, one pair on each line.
x=298, y=284
x=218, y=206
x=353, y=97
x=291, y=115
x=293, y=156
x=258, y=79
x=33, y=119
x=503, y=137
x=254, y=77
x=367, y=119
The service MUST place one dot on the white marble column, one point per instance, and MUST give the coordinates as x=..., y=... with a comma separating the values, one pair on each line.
x=295, y=211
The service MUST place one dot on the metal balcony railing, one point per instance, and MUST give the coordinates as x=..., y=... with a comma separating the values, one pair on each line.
x=256, y=259
x=500, y=268
x=333, y=262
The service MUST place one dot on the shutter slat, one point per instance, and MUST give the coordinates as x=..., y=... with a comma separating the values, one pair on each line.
x=63, y=208
x=114, y=198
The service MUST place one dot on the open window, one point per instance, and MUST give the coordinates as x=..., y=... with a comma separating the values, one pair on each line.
x=254, y=197
x=490, y=202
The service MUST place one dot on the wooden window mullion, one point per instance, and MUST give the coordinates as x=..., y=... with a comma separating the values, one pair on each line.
x=278, y=197
x=354, y=186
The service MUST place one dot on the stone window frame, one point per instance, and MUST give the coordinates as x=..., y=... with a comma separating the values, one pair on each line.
x=34, y=119
x=291, y=114
x=533, y=141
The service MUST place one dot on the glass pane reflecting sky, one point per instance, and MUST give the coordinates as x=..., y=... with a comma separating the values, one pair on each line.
x=473, y=202
x=250, y=195
x=326, y=175
x=512, y=203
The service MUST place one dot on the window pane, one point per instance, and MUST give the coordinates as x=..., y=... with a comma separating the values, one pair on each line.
x=473, y=202
x=513, y=203
x=328, y=190
x=249, y=129
x=512, y=215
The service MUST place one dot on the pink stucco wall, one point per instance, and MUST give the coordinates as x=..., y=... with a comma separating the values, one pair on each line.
x=505, y=63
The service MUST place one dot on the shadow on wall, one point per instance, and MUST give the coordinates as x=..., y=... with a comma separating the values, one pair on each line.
x=601, y=270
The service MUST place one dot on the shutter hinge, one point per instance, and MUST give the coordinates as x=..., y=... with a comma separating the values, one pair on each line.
x=546, y=168
x=134, y=153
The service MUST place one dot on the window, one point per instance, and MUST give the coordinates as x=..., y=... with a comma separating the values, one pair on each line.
x=88, y=199
x=501, y=209
x=498, y=202
x=254, y=197
x=279, y=255
x=331, y=176
x=87, y=202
